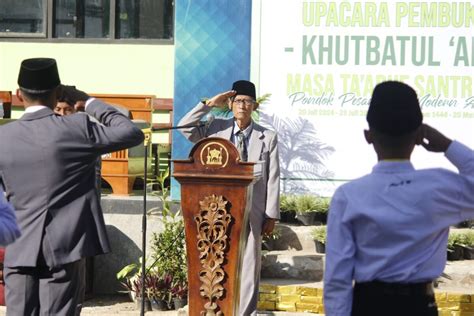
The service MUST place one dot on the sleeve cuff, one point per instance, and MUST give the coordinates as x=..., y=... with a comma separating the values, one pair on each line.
x=459, y=154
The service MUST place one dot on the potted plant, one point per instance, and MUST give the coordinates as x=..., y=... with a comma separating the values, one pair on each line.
x=466, y=241
x=321, y=210
x=159, y=291
x=269, y=240
x=319, y=236
x=167, y=263
x=130, y=278
x=455, y=251
x=179, y=294
x=133, y=285
x=306, y=208
x=169, y=250
x=288, y=208
x=168, y=246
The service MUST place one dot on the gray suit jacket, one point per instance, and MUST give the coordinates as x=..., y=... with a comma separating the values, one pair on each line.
x=47, y=163
x=262, y=146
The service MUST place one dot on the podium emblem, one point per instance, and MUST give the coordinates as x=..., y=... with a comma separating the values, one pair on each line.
x=214, y=154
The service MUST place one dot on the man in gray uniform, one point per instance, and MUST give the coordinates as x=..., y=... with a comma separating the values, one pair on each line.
x=47, y=164
x=254, y=143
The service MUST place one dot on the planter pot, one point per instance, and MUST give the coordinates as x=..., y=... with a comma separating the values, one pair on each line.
x=180, y=302
x=288, y=217
x=455, y=254
x=320, y=218
x=159, y=305
x=468, y=253
x=320, y=247
x=464, y=224
x=147, y=304
x=306, y=218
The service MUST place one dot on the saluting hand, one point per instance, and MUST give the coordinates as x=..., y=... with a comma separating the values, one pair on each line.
x=432, y=140
x=220, y=100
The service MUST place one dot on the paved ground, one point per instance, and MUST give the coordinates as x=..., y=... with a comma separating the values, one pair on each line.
x=460, y=273
x=121, y=305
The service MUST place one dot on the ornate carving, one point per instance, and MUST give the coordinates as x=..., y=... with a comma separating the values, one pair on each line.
x=212, y=224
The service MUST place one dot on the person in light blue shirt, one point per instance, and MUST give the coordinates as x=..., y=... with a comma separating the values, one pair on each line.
x=9, y=230
x=387, y=231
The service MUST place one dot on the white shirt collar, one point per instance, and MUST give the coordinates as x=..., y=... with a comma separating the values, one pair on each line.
x=246, y=131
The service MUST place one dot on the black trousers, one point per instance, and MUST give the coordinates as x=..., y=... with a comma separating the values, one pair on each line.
x=393, y=299
x=39, y=291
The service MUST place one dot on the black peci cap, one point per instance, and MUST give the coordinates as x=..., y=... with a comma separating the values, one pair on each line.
x=38, y=75
x=244, y=87
x=394, y=109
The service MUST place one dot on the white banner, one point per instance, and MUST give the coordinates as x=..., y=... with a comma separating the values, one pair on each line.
x=320, y=60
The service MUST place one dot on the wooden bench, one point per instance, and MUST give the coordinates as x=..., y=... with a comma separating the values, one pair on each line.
x=6, y=100
x=163, y=119
x=121, y=168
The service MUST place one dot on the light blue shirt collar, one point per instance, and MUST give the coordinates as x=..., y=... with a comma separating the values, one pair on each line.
x=392, y=166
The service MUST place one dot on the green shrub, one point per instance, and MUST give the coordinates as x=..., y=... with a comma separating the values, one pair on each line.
x=460, y=238
x=166, y=266
x=465, y=238
x=470, y=238
x=306, y=203
x=323, y=204
x=312, y=203
x=287, y=203
x=169, y=250
x=452, y=240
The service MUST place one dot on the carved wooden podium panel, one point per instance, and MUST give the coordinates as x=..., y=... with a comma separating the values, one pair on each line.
x=215, y=196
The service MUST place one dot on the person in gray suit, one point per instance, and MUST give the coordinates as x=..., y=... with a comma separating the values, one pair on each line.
x=47, y=164
x=254, y=143
x=65, y=106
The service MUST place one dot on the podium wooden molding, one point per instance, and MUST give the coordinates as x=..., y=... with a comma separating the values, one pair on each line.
x=215, y=198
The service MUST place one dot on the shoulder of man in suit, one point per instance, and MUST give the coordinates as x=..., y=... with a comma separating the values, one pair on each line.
x=262, y=129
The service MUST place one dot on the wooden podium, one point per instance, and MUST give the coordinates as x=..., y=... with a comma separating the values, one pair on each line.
x=215, y=198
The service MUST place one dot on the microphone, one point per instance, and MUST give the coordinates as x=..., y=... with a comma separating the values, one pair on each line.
x=209, y=119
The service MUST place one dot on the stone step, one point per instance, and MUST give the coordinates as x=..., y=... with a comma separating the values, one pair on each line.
x=306, y=268
x=290, y=264
x=294, y=256
x=293, y=237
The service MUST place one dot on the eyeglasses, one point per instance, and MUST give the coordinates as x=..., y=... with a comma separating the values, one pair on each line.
x=246, y=102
